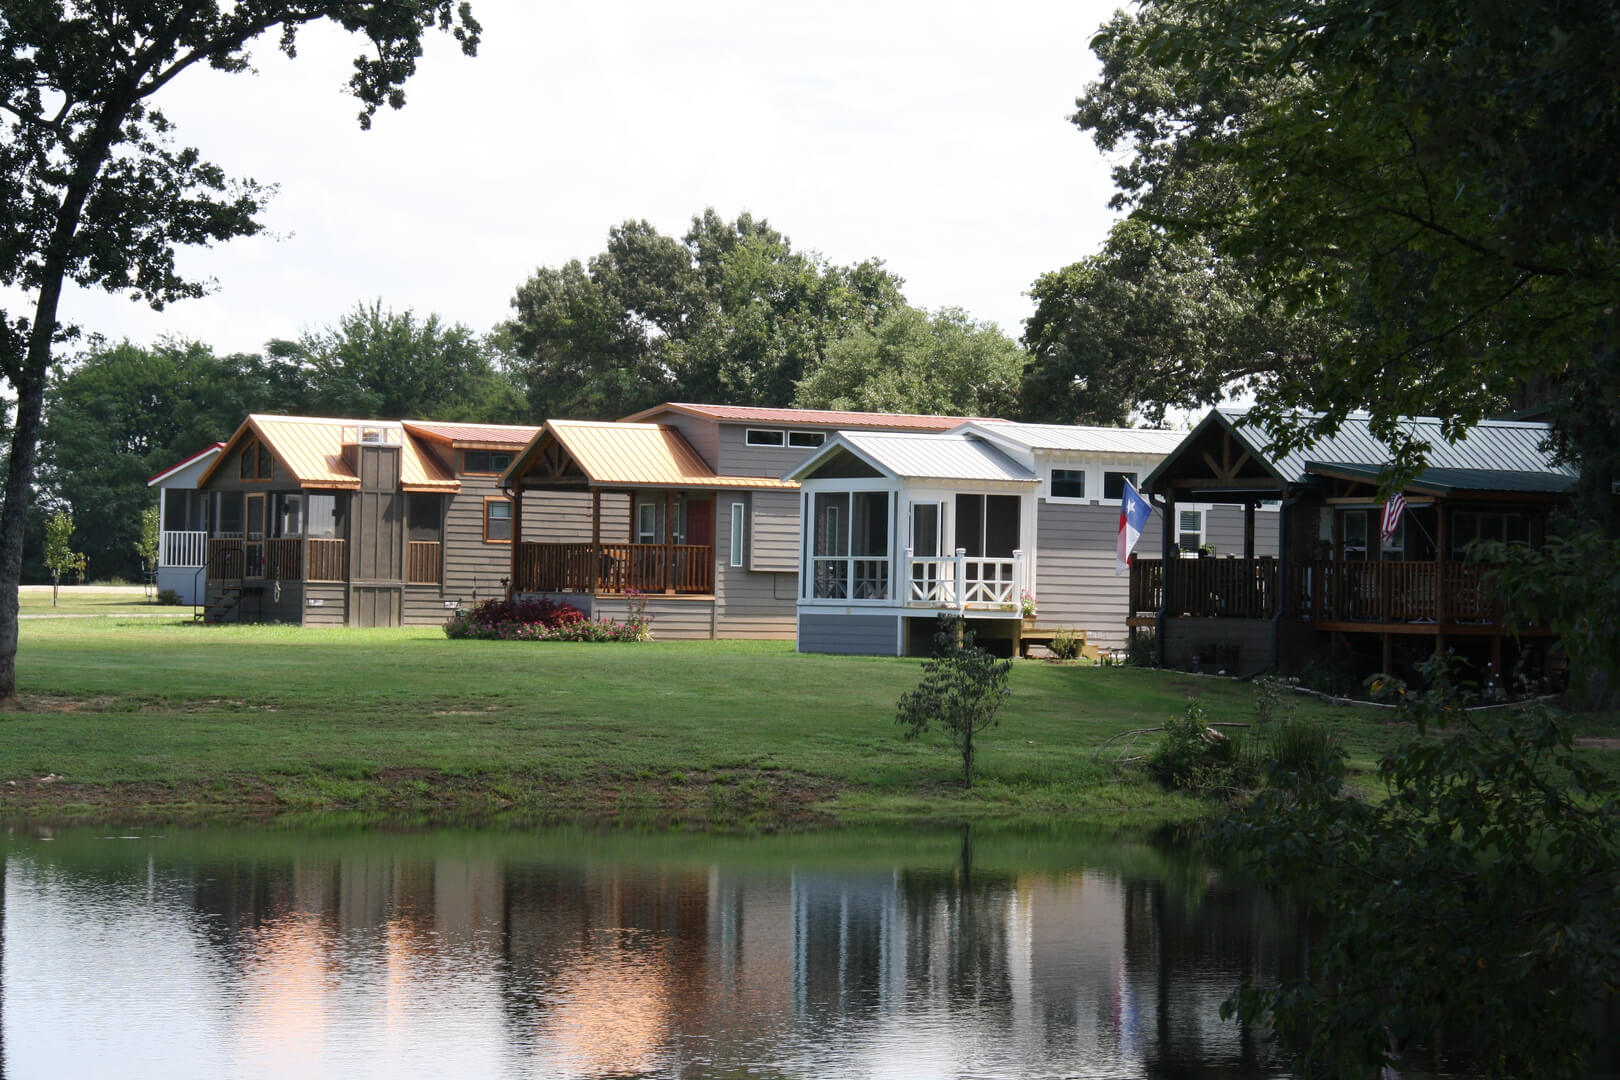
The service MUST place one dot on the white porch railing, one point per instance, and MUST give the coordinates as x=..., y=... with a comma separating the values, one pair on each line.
x=960, y=581
x=183, y=549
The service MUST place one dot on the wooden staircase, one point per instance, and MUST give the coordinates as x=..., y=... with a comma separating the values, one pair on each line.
x=217, y=607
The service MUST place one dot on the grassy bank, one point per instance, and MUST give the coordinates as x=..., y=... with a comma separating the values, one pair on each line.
x=145, y=717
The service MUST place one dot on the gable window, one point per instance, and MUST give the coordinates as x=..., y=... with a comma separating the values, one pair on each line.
x=764, y=437
x=497, y=521
x=1068, y=484
x=255, y=462
x=492, y=462
x=1114, y=484
x=806, y=438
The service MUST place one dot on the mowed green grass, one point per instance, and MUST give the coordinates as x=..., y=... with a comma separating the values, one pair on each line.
x=139, y=714
x=78, y=600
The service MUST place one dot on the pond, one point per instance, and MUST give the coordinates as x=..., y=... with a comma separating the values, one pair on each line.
x=363, y=952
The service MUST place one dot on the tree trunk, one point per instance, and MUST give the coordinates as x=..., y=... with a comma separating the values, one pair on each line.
x=13, y=514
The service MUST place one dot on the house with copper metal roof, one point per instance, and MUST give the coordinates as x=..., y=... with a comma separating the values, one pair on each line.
x=1335, y=587
x=686, y=505
x=1011, y=526
x=315, y=521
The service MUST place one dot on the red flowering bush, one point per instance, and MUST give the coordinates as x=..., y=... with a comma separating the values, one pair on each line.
x=545, y=620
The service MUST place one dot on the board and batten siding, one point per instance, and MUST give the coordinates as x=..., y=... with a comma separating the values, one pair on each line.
x=1075, y=584
x=850, y=635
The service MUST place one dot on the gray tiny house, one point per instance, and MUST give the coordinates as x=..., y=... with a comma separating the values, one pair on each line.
x=683, y=504
x=323, y=521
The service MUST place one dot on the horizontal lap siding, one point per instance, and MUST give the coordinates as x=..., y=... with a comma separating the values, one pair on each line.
x=333, y=608
x=674, y=619
x=737, y=458
x=468, y=561
x=774, y=543
x=851, y=635
x=1075, y=584
x=1223, y=527
x=424, y=606
x=564, y=517
x=756, y=605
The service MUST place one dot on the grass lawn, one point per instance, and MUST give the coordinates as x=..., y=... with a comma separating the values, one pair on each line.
x=89, y=600
x=146, y=717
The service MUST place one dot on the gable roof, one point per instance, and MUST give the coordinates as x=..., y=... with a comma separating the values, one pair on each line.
x=187, y=462
x=1496, y=455
x=621, y=454
x=311, y=449
x=919, y=456
x=818, y=418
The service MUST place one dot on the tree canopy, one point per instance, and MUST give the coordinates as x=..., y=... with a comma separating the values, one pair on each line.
x=97, y=192
x=730, y=313
x=1420, y=177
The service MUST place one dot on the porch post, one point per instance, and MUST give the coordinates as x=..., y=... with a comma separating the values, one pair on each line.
x=669, y=542
x=1441, y=540
x=903, y=578
x=1248, y=531
x=594, y=575
x=515, y=555
x=1167, y=560
x=961, y=579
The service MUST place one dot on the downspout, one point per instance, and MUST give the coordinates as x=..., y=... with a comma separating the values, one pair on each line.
x=1282, y=577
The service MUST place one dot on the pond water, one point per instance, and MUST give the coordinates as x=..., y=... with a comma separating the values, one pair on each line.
x=395, y=953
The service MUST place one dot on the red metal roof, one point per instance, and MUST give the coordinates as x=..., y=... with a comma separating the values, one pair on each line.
x=476, y=436
x=809, y=417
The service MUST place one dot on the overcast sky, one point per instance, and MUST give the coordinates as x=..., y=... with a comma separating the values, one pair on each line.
x=933, y=136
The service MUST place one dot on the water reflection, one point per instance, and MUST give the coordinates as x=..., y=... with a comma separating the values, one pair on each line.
x=580, y=955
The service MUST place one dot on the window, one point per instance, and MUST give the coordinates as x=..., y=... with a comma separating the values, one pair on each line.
x=1189, y=529
x=1468, y=527
x=497, y=521
x=806, y=438
x=764, y=437
x=1355, y=534
x=987, y=525
x=255, y=462
x=485, y=461
x=736, y=534
x=325, y=514
x=423, y=515
x=290, y=515
x=1114, y=484
x=1068, y=484
x=647, y=523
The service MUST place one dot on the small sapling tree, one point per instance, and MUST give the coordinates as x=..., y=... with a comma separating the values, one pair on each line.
x=962, y=688
x=59, y=553
x=147, y=548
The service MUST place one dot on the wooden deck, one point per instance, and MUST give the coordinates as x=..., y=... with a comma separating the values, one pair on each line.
x=615, y=569
x=1391, y=596
x=296, y=559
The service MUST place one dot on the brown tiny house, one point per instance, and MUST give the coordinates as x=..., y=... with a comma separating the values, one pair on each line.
x=324, y=521
x=1332, y=586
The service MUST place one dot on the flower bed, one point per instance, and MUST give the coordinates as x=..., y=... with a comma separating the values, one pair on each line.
x=545, y=620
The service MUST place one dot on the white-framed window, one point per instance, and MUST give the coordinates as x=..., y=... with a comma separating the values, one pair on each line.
x=1067, y=484
x=647, y=523
x=1189, y=529
x=809, y=439
x=497, y=521
x=738, y=516
x=765, y=437
x=1114, y=485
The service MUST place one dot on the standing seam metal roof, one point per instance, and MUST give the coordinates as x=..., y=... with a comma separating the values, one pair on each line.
x=812, y=417
x=1495, y=446
x=928, y=456
x=311, y=448
x=1093, y=440
x=639, y=455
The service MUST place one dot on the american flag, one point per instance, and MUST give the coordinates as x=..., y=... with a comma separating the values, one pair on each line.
x=1392, y=517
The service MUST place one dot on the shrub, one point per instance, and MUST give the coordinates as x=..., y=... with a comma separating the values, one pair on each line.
x=1066, y=644
x=168, y=596
x=545, y=620
x=1191, y=754
x=961, y=689
x=1139, y=651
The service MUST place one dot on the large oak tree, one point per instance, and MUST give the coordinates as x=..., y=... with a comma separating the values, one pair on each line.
x=95, y=190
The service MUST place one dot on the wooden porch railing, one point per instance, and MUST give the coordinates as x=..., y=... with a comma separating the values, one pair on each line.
x=328, y=560
x=422, y=562
x=284, y=560
x=225, y=560
x=619, y=568
x=1322, y=592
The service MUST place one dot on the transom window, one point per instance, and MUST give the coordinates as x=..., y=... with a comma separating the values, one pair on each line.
x=806, y=438
x=765, y=437
x=485, y=461
x=1068, y=484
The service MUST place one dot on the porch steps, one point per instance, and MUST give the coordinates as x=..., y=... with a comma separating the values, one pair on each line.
x=220, y=606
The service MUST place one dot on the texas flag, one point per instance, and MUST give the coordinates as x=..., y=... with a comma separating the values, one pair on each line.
x=1133, y=515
